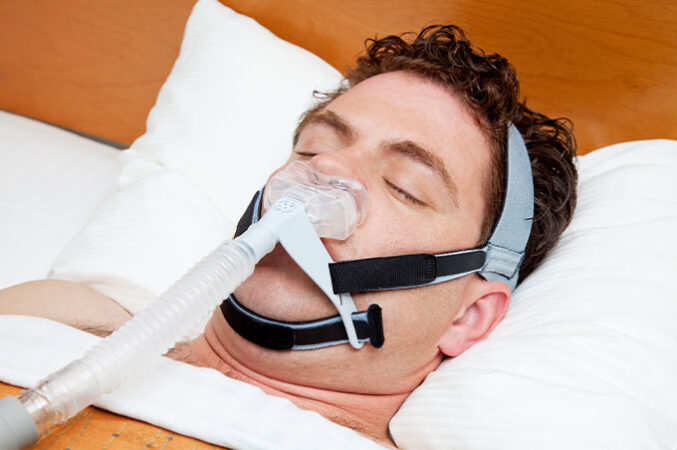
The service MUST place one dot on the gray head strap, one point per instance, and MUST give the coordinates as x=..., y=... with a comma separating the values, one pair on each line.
x=506, y=246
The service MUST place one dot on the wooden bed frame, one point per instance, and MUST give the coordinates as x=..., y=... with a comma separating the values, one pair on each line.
x=94, y=428
x=96, y=67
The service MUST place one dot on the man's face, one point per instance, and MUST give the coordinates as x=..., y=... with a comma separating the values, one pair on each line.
x=422, y=158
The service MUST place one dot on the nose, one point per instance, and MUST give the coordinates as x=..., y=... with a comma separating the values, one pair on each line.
x=343, y=163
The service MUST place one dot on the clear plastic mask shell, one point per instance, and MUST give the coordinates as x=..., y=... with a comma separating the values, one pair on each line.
x=335, y=206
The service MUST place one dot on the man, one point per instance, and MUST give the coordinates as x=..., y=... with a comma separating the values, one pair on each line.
x=423, y=126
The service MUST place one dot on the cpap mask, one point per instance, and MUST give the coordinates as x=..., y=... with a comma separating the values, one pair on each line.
x=302, y=243
x=302, y=206
x=498, y=260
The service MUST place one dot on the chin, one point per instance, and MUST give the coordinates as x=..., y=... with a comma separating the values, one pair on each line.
x=279, y=289
x=323, y=368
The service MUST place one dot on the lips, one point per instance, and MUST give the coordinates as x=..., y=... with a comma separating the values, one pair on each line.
x=280, y=289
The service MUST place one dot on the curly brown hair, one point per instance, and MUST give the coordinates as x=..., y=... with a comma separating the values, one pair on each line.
x=488, y=85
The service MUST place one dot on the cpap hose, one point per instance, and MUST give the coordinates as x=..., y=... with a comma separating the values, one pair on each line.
x=335, y=207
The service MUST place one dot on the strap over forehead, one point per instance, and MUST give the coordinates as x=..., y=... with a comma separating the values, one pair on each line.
x=506, y=246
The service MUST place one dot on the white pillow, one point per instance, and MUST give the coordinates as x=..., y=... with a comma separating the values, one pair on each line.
x=145, y=236
x=585, y=357
x=227, y=112
x=51, y=182
x=222, y=122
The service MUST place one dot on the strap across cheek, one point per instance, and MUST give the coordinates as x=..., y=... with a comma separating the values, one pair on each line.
x=397, y=272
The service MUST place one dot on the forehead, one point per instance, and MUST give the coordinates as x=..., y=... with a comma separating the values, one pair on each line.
x=404, y=106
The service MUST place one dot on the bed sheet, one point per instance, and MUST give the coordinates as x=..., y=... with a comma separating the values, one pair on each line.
x=51, y=181
x=193, y=401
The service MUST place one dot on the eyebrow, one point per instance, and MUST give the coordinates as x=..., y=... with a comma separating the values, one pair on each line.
x=417, y=153
x=406, y=148
x=326, y=117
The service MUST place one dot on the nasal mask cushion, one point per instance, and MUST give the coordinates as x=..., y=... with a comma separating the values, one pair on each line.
x=498, y=260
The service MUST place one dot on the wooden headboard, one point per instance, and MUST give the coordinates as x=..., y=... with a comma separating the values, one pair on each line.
x=96, y=67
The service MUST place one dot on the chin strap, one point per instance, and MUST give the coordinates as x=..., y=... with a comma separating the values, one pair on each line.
x=279, y=335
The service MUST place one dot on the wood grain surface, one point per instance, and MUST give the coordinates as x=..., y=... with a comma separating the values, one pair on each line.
x=611, y=66
x=94, y=429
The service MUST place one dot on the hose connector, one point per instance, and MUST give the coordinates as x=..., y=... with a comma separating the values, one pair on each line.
x=17, y=429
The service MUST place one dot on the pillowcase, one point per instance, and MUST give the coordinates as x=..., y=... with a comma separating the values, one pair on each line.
x=223, y=121
x=585, y=357
x=146, y=235
x=226, y=114
x=51, y=182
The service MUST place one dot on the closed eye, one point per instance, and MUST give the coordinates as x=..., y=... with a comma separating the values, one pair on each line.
x=398, y=190
x=306, y=154
x=404, y=194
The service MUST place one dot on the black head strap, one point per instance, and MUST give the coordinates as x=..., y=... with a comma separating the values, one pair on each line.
x=397, y=272
x=251, y=215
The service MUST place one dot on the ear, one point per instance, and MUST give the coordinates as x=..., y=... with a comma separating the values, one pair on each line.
x=488, y=303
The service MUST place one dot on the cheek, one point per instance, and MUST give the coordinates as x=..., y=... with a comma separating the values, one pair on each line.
x=387, y=231
x=423, y=311
x=414, y=321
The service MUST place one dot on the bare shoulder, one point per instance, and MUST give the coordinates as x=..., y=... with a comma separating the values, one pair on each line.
x=71, y=303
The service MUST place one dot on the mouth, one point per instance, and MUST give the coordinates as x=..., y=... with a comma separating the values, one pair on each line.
x=281, y=290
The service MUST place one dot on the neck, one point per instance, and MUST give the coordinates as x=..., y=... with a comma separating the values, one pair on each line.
x=366, y=413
